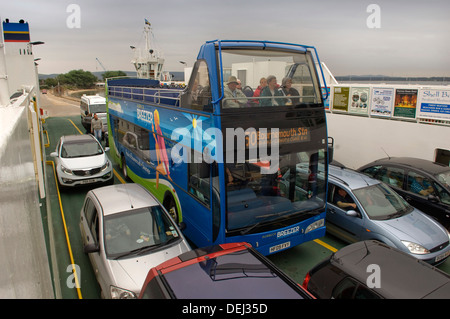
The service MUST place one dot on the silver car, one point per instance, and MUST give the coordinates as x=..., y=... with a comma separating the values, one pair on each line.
x=126, y=232
x=363, y=208
x=81, y=160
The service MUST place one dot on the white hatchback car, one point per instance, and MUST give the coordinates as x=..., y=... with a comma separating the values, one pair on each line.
x=126, y=232
x=81, y=160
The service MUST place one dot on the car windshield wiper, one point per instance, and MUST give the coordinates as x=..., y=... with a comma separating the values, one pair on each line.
x=137, y=251
x=147, y=248
x=141, y=250
x=399, y=213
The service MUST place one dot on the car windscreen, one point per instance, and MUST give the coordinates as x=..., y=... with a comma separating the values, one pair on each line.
x=97, y=108
x=444, y=178
x=380, y=202
x=84, y=148
x=137, y=232
x=232, y=276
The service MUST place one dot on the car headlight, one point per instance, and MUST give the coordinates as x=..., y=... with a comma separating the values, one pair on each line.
x=120, y=293
x=66, y=170
x=415, y=248
x=105, y=166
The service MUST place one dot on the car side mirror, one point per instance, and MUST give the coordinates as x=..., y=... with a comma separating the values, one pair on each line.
x=54, y=154
x=91, y=248
x=352, y=213
x=182, y=226
x=106, y=149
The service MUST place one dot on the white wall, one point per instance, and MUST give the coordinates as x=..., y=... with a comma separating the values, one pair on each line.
x=24, y=263
x=360, y=140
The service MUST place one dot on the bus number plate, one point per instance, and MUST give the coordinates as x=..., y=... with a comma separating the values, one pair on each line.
x=279, y=247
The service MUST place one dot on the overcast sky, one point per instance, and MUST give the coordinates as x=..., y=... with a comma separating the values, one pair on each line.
x=412, y=38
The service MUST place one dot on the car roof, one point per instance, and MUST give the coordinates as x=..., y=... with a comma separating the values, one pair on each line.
x=398, y=271
x=428, y=166
x=94, y=98
x=349, y=177
x=123, y=197
x=227, y=271
x=78, y=137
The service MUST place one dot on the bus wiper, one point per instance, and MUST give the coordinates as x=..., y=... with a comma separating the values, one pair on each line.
x=248, y=229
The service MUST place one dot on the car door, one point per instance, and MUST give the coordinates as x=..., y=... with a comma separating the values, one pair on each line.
x=428, y=204
x=349, y=228
x=91, y=229
x=443, y=196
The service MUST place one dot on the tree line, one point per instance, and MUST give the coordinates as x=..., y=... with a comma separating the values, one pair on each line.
x=78, y=79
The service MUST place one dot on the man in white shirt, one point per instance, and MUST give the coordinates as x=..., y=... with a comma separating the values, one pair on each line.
x=234, y=97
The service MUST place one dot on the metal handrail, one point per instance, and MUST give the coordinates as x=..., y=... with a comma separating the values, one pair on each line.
x=142, y=93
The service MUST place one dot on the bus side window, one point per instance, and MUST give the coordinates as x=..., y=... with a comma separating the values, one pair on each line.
x=198, y=93
x=198, y=173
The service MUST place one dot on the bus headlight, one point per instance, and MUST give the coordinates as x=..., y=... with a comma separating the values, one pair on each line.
x=317, y=224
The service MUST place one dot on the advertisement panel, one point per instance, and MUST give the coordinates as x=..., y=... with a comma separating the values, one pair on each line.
x=434, y=104
x=340, y=98
x=382, y=101
x=359, y=100
x=405, y=103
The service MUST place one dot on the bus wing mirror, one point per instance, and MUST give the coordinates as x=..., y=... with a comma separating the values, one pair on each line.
x=330, y=149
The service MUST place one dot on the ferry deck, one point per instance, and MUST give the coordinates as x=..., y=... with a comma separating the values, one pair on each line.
x=61, y=214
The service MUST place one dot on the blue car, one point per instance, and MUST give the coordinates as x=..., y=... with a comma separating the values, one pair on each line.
x=363, y=208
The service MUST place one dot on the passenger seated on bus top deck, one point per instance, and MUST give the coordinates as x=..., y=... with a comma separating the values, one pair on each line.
x=262, y=85
x=234, y=97
x=274, y=91
x=343, y=200
x=288, y=90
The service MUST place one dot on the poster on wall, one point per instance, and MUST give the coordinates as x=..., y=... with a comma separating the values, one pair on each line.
x=340, y=98
x=359, y=100
x=382, y=101
x=405, y=103
x=434, y=104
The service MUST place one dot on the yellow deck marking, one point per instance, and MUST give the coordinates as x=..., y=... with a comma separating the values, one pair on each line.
x=325, y=245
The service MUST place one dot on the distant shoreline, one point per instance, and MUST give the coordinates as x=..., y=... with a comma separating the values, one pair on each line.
x=435, y=80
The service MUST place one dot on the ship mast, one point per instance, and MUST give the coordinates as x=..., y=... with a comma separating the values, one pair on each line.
x=148, y=63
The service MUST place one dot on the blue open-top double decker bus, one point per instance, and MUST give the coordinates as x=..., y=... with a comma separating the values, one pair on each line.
x=233, y=163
